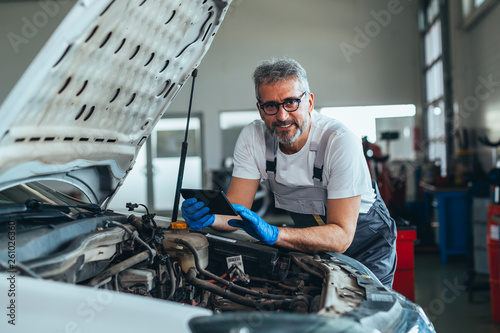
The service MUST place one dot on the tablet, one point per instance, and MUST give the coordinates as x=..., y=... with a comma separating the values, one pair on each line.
x=214, y=199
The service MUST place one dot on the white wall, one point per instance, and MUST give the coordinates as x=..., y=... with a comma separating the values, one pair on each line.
x=25, y=26
x=385, y=69
x=476, y=60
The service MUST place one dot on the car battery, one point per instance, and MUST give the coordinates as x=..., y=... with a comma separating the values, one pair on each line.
x=258, y=260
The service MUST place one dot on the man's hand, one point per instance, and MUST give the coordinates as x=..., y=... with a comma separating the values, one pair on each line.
x=254, y=225
x=196, y=215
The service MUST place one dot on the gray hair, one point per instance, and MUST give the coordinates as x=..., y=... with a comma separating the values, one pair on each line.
x=278, y=70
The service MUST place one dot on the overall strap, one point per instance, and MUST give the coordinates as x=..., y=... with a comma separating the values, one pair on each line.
x=271, y=148
x=319, y=161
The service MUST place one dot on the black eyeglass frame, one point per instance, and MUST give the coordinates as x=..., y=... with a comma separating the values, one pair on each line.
x=277, y=105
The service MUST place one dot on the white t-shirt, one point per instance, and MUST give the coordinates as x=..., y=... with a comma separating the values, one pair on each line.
x=345, y=172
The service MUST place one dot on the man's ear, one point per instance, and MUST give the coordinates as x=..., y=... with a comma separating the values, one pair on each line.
x=311, y=102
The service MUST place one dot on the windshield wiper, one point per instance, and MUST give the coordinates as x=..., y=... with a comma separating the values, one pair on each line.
x=13, y=209
x=33, y=209
x=35, y=205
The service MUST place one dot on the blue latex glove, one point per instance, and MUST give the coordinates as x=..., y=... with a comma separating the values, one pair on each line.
x=196, y=214
x=254, y=225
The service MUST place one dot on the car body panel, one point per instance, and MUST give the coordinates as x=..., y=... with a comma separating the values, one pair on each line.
x=52, y=307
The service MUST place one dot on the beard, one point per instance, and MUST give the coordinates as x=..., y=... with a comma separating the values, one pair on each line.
x=287, y=137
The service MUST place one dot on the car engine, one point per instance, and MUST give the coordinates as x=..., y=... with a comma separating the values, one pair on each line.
x=138, y=255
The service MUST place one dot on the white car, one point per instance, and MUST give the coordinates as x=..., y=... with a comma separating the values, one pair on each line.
x=77, y=119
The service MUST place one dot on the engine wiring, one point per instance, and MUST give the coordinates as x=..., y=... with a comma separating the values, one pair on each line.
x=135, y=236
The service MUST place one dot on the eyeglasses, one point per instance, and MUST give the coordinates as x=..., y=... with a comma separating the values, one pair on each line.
x=289, y=105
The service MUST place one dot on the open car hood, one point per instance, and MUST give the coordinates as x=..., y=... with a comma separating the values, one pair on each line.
x=87, y=103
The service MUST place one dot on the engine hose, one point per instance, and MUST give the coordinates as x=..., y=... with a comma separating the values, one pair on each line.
x=172, y=279
x=135, y=236
x=306, y=267
x=223, y=276
x=230, y=285
x=205, y=296
x=120, y=267
x=191, y=277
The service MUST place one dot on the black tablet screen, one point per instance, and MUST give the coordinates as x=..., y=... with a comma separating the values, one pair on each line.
x=214, y=199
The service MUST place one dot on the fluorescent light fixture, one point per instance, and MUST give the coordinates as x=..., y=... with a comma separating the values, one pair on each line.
x=361, y=119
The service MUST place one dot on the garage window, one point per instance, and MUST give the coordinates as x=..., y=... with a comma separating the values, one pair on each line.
x=437, y=99
x=473, y=10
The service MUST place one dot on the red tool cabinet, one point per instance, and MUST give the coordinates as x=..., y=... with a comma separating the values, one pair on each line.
x=404, y=277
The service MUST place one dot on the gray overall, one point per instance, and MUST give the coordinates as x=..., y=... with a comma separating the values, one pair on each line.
x=374, y=243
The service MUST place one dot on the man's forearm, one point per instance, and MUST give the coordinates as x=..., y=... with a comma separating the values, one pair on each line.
x=221, y=222
x=323, y=238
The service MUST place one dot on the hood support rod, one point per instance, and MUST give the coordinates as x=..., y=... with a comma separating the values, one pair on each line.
x=183, y=153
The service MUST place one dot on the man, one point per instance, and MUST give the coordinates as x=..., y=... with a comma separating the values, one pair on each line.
x=316, y=169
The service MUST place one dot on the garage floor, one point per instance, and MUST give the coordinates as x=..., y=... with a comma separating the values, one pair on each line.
x=440, y=291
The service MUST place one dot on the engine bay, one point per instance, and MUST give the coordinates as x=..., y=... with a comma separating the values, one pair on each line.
x=137, y=255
